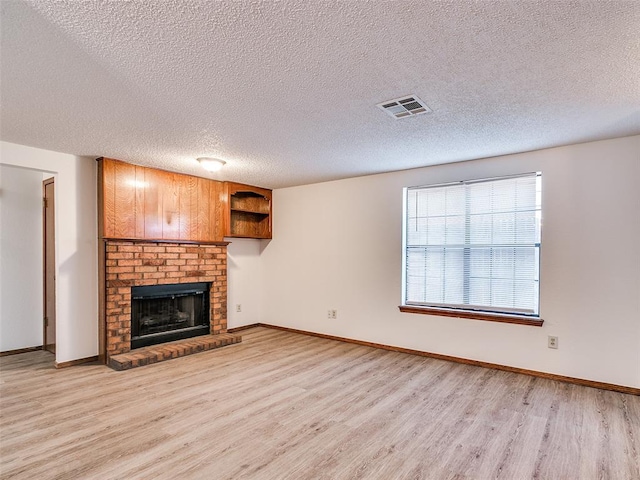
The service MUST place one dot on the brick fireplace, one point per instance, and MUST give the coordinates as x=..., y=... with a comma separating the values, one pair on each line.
x=143, y=263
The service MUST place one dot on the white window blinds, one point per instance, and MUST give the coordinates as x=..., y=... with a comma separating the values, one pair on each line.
x=474, y=245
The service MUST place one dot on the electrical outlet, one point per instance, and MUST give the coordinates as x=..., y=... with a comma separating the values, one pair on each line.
x=552, y=342
x=332, y=314
x=329, y=314
x=238, y=308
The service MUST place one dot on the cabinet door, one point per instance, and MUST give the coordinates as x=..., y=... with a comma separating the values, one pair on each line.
x=217, y=210
x=151, y=209
x=118, y=199
x=170, y=187
x=188, y=206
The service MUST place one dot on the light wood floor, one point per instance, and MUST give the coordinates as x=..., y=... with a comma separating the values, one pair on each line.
x=288, y=406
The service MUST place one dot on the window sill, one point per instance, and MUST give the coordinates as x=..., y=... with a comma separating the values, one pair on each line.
x=490, y=317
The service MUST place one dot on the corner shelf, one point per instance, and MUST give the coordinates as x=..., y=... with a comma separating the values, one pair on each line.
x=249, y=211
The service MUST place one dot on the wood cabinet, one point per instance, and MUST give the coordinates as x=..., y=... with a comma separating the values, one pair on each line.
x=148, y=204
x=249, y=211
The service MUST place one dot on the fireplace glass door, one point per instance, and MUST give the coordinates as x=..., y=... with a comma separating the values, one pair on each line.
x=162, y=313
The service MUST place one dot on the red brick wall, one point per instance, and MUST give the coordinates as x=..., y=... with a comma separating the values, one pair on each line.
x=146, y=263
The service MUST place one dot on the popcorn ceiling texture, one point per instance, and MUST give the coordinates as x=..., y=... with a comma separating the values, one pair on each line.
x=285, y=91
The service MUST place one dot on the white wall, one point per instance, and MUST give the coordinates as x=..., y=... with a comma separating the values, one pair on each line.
x=20, y=258
x=76, y=245
x=338, y=245
x=244, y=277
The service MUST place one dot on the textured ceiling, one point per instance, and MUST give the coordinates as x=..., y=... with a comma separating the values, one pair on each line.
x=286, y=91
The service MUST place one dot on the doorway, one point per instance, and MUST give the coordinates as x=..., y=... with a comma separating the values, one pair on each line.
x=49, y=262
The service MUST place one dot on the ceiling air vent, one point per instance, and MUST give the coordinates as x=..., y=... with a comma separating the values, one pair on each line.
x=404, y=107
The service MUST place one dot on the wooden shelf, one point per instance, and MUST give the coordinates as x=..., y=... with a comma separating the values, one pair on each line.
x=249, y=211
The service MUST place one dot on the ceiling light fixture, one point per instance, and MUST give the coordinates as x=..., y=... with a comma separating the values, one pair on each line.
x=211, y=164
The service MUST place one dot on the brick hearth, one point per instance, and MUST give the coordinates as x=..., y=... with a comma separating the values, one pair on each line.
x=148, y=263
x=169, y=350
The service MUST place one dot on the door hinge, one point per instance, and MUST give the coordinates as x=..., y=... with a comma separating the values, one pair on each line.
x=46, y=321
x=45, y=202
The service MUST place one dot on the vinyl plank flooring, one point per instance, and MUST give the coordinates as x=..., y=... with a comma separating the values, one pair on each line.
x=282, y=405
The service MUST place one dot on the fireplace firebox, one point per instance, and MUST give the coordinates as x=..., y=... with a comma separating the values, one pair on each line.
x=162, y=313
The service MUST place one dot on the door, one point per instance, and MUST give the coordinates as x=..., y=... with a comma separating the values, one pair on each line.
x=48, y=215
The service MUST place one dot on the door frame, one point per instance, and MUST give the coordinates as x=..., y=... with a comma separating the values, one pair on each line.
x=45, y=183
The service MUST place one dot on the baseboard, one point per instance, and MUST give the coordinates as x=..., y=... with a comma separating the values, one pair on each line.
x=244, y=327
x=78, y=361
x=20, y=350
x=496, y=366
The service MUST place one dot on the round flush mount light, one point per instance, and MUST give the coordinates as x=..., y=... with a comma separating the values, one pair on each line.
x=211, y=164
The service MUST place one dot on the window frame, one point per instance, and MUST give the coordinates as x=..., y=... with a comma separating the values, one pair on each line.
x=457, y=311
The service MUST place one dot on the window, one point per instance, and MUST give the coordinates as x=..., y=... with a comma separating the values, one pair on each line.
x=474, y=246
